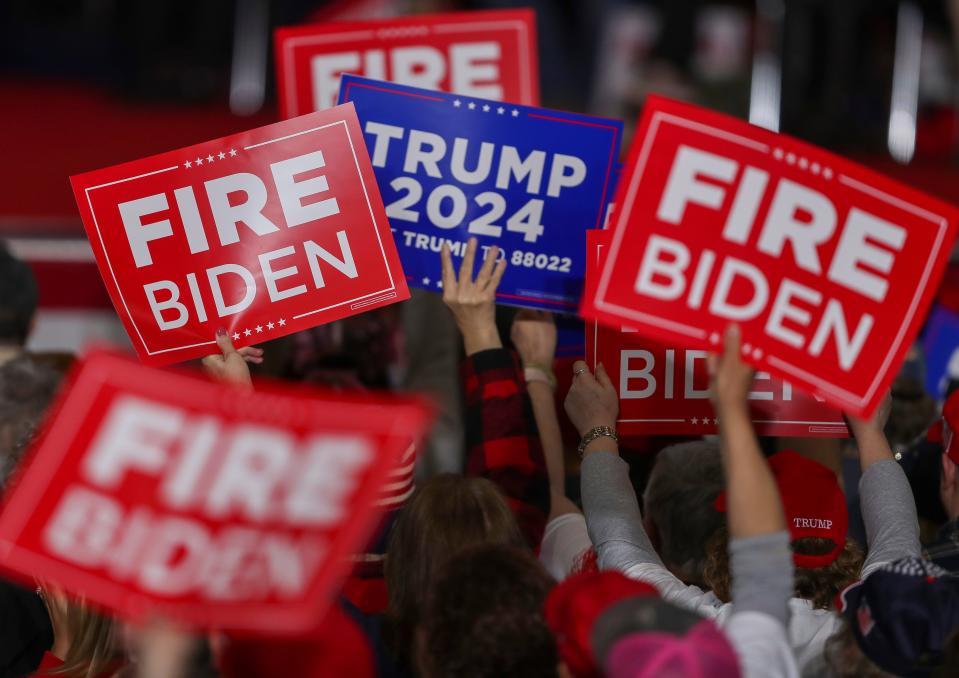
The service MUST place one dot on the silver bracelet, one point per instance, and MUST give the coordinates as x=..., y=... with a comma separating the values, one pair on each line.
x=593, y=434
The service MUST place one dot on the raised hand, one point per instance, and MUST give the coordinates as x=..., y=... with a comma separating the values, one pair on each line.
x=473, y=301
x=230, y=366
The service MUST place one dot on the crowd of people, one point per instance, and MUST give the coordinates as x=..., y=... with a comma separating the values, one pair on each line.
x=732, y=557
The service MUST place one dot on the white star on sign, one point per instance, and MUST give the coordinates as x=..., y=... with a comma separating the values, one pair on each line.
x=715, y=421
x=457, y=103
x=426, y=281
x=259, y=329
x=209, y=158
x=221, y=155
x=514, y=113
x=486, y=108
x=695, y=421
x=282, y=322
x=236, y=336
x=439, y=283
x=199, y=161
x=270, y=326
x=232, y=152
x=247, y=333
x=501, y=110
x=471, y=106
x=188, y=164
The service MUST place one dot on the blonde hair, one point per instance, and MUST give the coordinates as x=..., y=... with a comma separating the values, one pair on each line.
x=93, y=647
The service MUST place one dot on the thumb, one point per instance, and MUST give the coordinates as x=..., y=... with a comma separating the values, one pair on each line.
x=224, y=343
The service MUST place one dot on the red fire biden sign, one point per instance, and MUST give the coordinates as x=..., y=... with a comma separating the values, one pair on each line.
x=262, y=233
x=827, y=267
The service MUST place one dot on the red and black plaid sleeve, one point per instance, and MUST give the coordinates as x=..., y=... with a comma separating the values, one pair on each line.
x=502, y=440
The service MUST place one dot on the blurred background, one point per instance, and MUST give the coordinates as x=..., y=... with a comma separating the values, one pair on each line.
x=89, y=83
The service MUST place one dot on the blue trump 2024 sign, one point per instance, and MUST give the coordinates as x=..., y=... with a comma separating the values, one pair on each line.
x=529, y=180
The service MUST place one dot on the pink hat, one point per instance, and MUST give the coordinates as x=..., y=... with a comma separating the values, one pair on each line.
x=703, y=651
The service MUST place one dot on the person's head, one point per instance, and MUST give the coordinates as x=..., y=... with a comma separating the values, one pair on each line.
x=573, y=607
x=679, y=505
x=446, y=515
x=484, y=618
x=902, y=620
x=912, y=411
x=608, y=625
x=815, y=507
x=88, y=641
x=18, y=299
x=27, y=388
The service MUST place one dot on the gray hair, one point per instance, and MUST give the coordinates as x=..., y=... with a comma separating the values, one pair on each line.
x=680, y=502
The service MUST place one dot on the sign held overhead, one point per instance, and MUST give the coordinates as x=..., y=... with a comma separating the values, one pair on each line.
x=827, y=267
x=490, y=55
x=263, y=233
x=158, y=493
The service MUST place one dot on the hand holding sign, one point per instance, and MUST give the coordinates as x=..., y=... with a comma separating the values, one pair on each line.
x=591, y=401
x=730, y=379
x=230, y=366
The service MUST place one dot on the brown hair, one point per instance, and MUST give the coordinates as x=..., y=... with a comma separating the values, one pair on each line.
x=818, y=585
x=846, y=659
x=446, y=515
x=93, y=647
x=484, y=617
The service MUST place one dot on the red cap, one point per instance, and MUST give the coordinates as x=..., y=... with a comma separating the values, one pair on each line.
x=814, y=504
x=950, y=424
x=337, y=648
x=574, y=605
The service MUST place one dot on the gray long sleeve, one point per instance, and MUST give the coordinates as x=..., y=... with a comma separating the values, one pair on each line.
x=889, y=512
x=613, y=518
x=762, y=569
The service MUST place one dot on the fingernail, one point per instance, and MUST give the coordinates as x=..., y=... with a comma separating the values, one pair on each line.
x=221, y=332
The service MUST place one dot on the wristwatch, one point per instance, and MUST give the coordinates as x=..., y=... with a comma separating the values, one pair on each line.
x=540, y=373
x=593, y=434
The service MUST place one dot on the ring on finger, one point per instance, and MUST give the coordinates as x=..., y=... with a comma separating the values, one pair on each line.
x=578, y=372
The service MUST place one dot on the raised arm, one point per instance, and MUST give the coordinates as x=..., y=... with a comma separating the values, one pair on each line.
x=609, y=500
x=534, y=336
x=885, y=498
x=760, y=557
x=753, y=506
x=501, y=437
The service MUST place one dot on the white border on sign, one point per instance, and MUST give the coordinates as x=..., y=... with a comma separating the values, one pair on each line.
x=366, y=194
x=526, y=78
x=857, y=400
